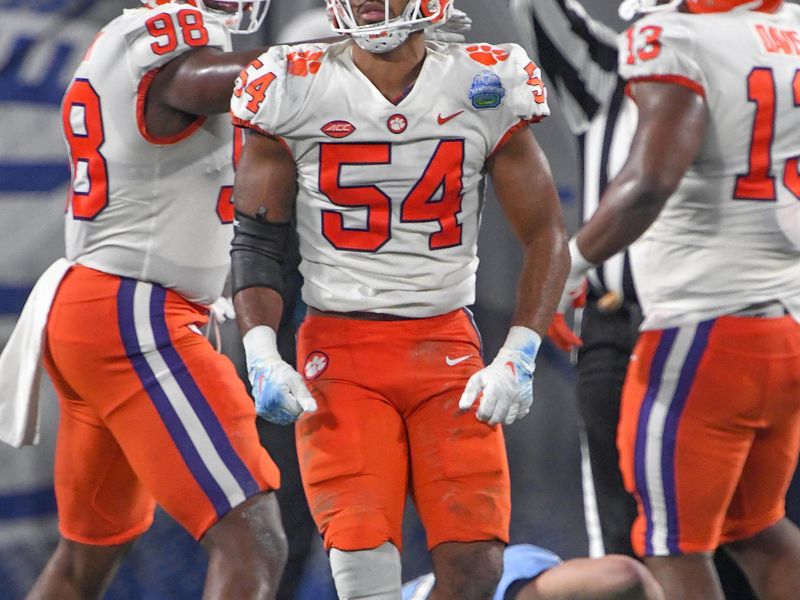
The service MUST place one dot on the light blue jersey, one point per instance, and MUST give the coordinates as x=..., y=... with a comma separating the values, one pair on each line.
x=520, y=562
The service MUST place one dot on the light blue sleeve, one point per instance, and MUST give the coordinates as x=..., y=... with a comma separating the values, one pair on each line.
x=523, y=562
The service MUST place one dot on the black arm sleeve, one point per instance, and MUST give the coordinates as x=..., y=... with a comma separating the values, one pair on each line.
x=259, y=252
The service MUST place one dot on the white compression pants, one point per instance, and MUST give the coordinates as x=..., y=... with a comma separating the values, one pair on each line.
x=367, y=574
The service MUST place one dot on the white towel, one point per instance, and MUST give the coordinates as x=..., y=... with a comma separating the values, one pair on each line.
x=21, y=362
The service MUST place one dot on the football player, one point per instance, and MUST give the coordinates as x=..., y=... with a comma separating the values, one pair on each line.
x=381, y=143
x=150, y=412
x=533, y=573
x=710, y=419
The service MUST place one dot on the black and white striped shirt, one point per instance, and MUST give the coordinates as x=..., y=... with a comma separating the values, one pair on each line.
x=579, y=56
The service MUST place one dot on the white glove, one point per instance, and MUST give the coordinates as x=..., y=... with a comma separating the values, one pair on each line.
x=280, y=393
x=574, y=292
x=505, y=387
x=222, y=309
x=454, y=30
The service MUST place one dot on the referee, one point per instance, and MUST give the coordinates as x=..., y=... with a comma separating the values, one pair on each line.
x=579, y=55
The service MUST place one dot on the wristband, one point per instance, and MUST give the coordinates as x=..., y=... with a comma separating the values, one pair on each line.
x=261, y=343
x=580, y=264
x=523, y=339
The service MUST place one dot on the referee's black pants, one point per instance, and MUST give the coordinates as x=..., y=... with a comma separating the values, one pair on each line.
x=608, y=340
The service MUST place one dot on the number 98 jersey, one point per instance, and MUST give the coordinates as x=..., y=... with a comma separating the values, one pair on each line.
x=150, y=208
x=390, y=194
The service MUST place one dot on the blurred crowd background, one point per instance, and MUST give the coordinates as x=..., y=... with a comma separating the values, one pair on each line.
x=41, y=43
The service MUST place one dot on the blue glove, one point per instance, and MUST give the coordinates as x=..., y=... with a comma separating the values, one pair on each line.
x=280, y=393
x=505, y=387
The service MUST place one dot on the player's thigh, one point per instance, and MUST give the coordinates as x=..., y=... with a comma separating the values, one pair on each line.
x=683, y=439
x=354, y=463
x=175, y=407
x=759, y=500
x=100, y=499
x=460, y=472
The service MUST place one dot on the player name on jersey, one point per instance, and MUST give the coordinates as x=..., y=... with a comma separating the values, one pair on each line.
x=779, y=41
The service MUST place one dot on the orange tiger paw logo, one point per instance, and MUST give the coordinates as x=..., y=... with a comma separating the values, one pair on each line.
x=304, y=63
x=486, y=54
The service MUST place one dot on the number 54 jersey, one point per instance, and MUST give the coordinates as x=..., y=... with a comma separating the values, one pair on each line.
x=150, y=208
x=390, y=194
x=730, y=235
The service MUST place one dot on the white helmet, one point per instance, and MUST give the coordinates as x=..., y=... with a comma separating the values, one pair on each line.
x=630, y=8
x=239, y=16
x=388, y=34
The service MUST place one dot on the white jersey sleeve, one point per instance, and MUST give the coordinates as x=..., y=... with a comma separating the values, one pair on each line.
x=516, y=79
x=527, y=95
x=262, y=98
x=659, y=51
x=168, y=33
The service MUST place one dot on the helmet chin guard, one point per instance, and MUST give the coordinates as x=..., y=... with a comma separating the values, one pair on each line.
x=239, y=16
x=388, y=34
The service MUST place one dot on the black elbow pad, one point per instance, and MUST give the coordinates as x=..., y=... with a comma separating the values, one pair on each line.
x=258, y=252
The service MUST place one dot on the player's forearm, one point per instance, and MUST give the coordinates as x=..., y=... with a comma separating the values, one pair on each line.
x=257, y=306
x=544, y=270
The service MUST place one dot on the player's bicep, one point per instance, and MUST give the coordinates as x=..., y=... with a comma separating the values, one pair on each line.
x=671, y=129
x=266, y=179
x=525, y=187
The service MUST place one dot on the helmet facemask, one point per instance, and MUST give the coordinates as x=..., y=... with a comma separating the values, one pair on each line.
x=389, y=33
x=239, y=16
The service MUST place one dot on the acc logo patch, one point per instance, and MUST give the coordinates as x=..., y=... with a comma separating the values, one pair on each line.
x=397, y=123
x=486, y=90
x=316, y=363
x=338, y=129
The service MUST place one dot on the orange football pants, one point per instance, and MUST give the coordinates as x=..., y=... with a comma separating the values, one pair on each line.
x=150, y=412
x=388, y=421
x=709, y=431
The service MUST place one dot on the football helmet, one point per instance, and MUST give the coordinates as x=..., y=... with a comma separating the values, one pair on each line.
x=239, y=16
x=389, y=33
x=630, y=8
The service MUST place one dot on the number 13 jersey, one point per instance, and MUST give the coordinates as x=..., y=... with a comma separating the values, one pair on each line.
x=730, y=235
x=390, y=195
x=150, y=208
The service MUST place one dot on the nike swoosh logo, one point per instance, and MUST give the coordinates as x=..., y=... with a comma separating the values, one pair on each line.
x=452, y=362
x=442, y=120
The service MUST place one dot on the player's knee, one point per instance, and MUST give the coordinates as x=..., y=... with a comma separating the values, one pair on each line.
x=83, y=569
x=628, y=579
x=372, y=574
x=250, y=538
x=468, y=571
x=358, y=529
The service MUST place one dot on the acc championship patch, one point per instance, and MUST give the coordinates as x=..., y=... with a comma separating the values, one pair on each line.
x=486, y=90
x=316, y=363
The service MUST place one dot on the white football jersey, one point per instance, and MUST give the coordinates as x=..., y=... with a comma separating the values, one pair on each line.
x=390, y=195
x=730, y=236
x=149, y=208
